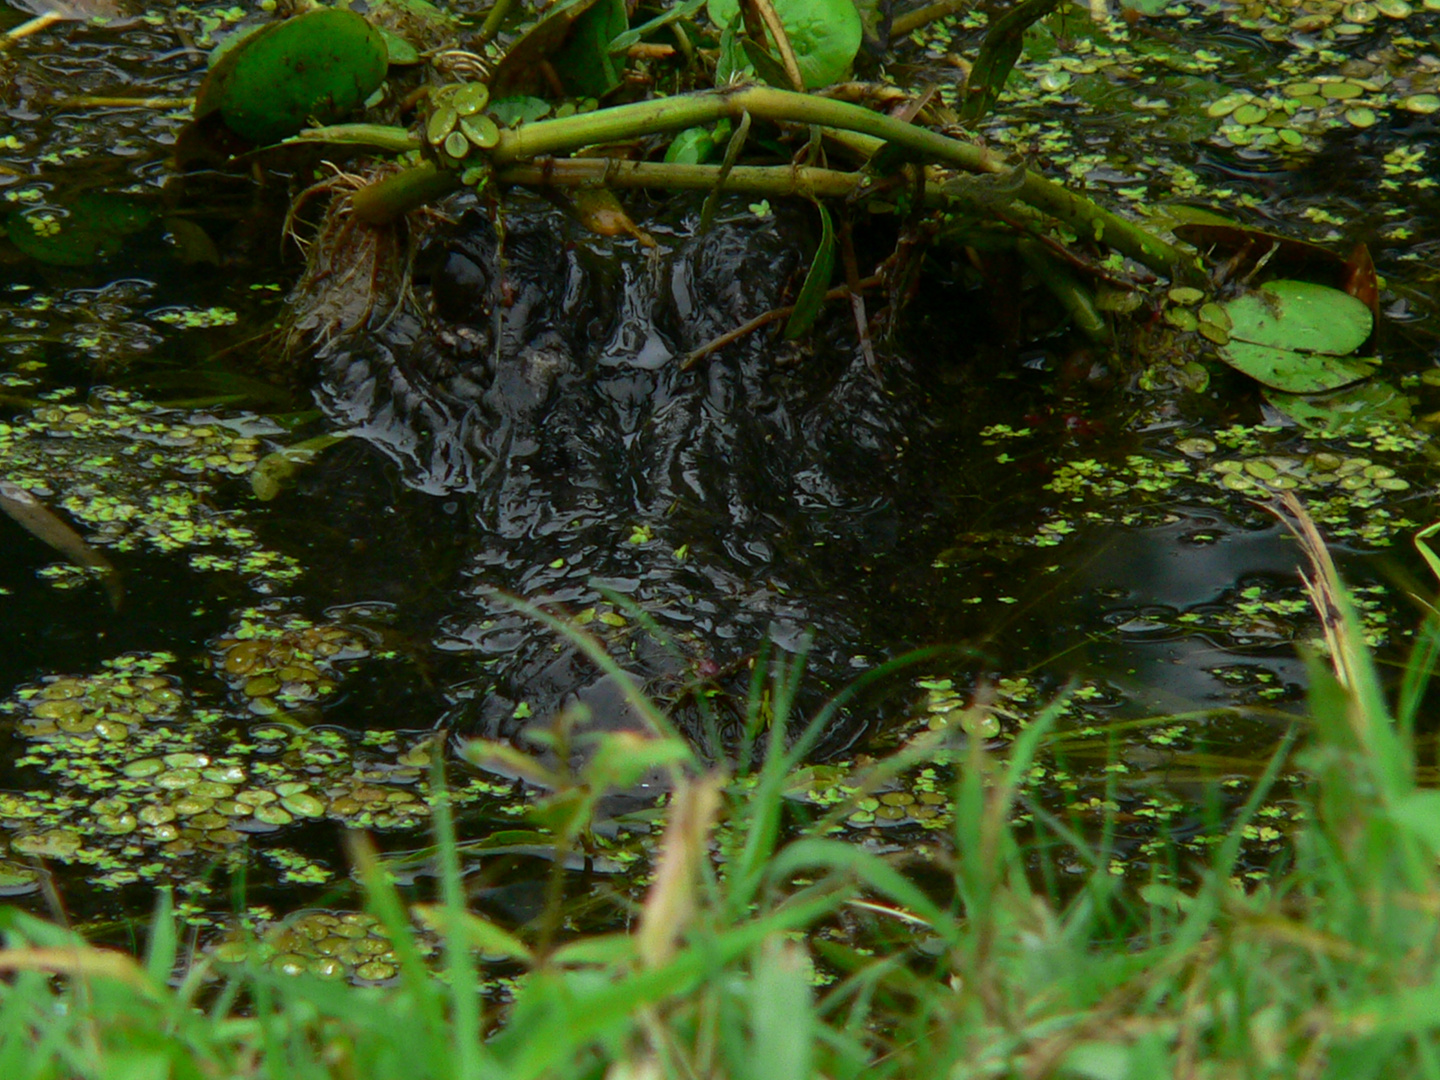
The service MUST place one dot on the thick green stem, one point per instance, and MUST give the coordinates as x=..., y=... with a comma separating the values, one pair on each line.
x=764, y=102
x=773, y=180
x=550, y=137
x=385, y=200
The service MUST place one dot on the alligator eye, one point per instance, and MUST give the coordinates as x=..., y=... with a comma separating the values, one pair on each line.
x=461, y=289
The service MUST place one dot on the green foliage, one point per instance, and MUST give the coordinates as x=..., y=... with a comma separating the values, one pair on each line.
x=1350, y=411
x=320, y=67
x=825, y=34
x=585, y=62
x=969, y=970
x=1001, y=48
x=817, y=281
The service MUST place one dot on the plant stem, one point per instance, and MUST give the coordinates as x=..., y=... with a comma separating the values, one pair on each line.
x=773, y=180
x=914, y=20
x=548, y=137
x=385, y=200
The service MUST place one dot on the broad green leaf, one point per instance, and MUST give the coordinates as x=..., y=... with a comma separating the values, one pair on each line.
x=693, y=146
x=519, y=72
x=817, y=281
x=117, y=214
x=317, y=67
x=514, y=111
x=585, y=63
x=825, y=34
x=1295, y=336
x=62, y=244
x=399, y=52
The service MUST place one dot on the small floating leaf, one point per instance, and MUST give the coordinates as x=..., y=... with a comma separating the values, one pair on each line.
x=1295, y=336
x=481, y=131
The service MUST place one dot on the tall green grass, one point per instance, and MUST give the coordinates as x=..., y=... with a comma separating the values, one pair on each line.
x=1331, y=969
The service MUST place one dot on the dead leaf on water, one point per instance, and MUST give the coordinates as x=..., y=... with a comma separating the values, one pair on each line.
x=40, y=522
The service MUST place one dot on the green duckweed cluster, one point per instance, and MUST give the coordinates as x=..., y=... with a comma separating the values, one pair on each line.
x=139, y=782
x=350, y=945
x=1100, y=771
x=273, y=668
x=140, y=478
x=1180, y=77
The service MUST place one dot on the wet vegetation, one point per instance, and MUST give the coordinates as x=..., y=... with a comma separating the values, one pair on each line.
x=717, y=540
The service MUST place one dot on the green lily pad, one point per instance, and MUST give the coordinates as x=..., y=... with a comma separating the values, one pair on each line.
x=1345, y=412
x=320, y=66
x=90, y=228
x=825, y=34
x=1296, y=337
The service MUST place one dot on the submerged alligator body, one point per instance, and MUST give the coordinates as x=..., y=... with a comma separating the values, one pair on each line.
x=538, y=384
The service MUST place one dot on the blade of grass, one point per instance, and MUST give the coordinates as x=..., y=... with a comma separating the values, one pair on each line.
x=459, y=962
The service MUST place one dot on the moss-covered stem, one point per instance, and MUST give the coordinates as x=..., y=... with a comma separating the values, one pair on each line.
x=773, y=181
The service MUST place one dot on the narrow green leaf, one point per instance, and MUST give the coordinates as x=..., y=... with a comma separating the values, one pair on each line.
x=782, y=1014
x=1419, y=813
x=870, y=870
x=631, y=37
x=164, y=943
x=817, y=281
x=766, y=66
x=998, y=53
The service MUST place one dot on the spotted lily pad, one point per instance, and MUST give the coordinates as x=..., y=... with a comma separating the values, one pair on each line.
x=320, y=67
x=1297, y=337
x=825, y=34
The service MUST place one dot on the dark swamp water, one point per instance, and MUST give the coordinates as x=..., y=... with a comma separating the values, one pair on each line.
x=281, y=671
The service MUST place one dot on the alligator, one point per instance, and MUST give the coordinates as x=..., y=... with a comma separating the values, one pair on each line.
x=534, y=375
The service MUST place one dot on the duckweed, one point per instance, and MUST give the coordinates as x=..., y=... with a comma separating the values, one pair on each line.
x=138, y=477
x=130, y=767
x=349, y=945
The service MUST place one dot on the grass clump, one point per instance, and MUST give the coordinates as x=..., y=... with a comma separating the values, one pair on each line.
x=783, y=953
